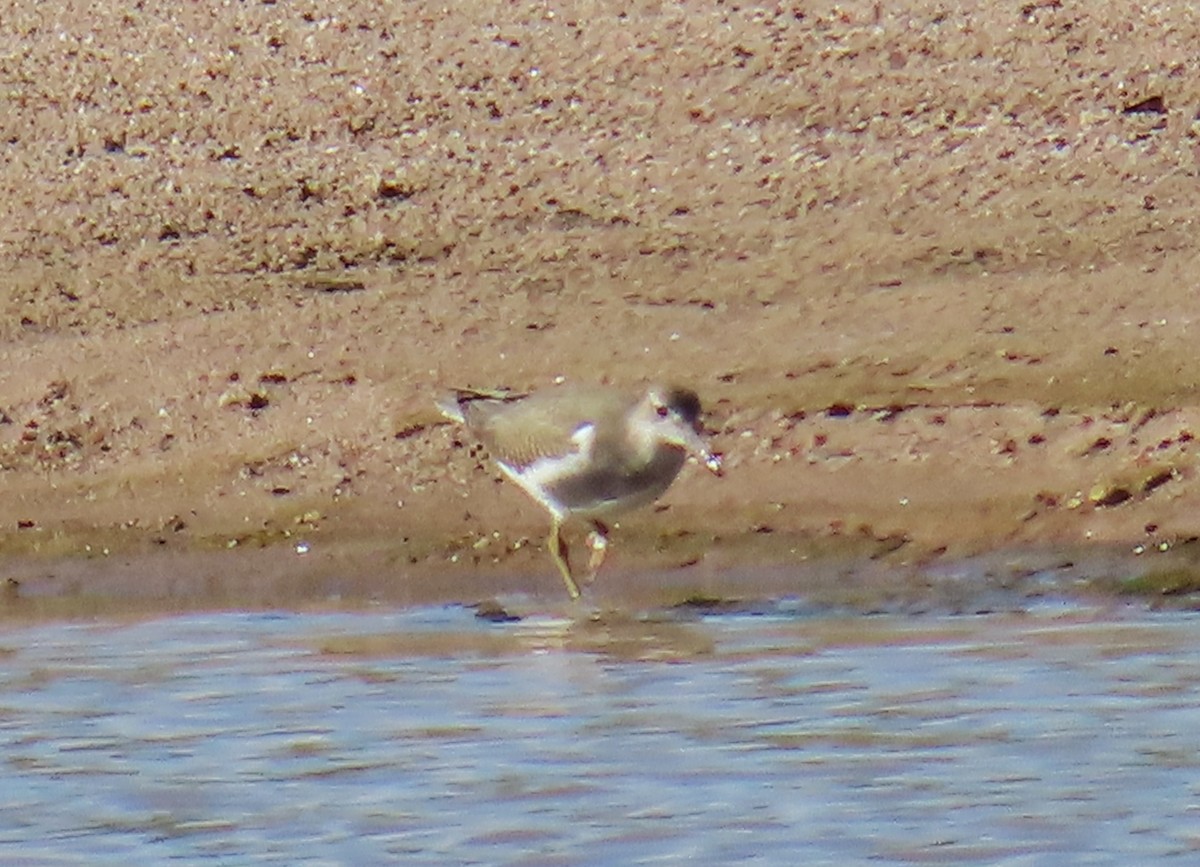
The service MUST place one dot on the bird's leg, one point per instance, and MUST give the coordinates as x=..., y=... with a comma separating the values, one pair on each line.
x=598, y=542
x=558, y=550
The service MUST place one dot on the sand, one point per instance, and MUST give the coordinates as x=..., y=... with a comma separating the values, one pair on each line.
x=930, y=271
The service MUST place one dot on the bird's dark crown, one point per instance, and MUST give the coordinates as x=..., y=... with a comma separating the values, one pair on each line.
x=685, y=402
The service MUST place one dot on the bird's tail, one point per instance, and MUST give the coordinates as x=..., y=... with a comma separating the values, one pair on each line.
x=454, y=401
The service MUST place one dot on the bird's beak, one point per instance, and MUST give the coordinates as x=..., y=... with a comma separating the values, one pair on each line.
x=697, y=447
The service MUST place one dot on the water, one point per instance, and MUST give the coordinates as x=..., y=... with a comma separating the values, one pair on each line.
x=427, y=736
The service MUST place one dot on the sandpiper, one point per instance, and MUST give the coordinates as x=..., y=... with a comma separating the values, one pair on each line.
x=590, y=452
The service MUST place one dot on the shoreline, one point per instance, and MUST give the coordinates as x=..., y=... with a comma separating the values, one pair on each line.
x=821, y=576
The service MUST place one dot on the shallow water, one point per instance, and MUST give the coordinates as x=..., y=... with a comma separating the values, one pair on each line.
x=1057, y=736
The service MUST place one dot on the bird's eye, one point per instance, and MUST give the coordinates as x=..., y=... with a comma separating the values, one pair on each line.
x=662, y=411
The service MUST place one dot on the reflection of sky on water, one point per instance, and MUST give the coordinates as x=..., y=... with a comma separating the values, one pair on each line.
x=429, y=736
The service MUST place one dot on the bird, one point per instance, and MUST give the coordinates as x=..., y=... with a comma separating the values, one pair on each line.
x=588, y=451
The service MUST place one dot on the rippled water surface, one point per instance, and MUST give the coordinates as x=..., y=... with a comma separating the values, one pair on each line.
x=1060, y=736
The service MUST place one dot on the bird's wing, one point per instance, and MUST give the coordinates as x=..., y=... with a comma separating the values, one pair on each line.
x=544, y=424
